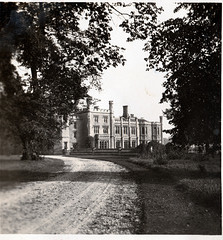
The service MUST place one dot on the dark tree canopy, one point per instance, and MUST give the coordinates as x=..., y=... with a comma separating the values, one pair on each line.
x=60, y=56
x=189, y=50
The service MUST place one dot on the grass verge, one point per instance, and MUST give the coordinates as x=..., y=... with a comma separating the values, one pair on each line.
x=14, y=171
x=200, y=180
x=206, y=191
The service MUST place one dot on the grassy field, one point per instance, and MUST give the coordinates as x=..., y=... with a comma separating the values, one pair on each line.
x=199, y=179
x=13, y=171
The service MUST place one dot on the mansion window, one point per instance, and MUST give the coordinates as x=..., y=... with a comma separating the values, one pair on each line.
x=155, y=130
x=118, y=143
x=143, y=130
x=105, y=119
x=75, y=125
x=125, y=130
x=117, y=129
x=96, y=129
x=133, y=130
x=126, y=144
x=104, y=144
x=133, y=143
x=75, y=134
x=105, y=129
x=96, y=119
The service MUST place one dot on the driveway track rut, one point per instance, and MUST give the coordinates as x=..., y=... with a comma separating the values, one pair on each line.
x=69, y=201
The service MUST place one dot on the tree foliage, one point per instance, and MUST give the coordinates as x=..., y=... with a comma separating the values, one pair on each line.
x=59, y=55
x=189, y=50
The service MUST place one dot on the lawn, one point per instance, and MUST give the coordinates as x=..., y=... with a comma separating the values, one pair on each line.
x=13, y=171
x=198, y=177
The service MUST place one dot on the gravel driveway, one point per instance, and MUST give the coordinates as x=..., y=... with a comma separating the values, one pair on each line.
x=88, y=197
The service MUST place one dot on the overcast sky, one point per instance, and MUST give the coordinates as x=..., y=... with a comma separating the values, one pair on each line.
x=131, y=84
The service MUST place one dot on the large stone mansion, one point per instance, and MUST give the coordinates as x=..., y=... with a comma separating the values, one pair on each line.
x=97, y=128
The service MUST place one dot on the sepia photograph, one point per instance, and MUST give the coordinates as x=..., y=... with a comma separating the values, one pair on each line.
x=110, y=119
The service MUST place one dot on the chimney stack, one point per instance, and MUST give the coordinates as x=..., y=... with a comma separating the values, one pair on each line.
x=111, y=106
x=125, y=112
x=89, y=100
x=161, y=119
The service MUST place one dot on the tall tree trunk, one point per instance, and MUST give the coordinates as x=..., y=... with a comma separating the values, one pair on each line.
x=27, y=151
x=34, y=78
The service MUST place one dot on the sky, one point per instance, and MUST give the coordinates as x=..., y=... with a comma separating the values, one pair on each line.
x=131, y=84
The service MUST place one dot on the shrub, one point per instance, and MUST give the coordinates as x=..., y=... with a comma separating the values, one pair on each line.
x=201, y=157
x=89, y=142
x=153, y=151
x=174, y=154
x=189, y=156
x=161, y=160
x=157, y=152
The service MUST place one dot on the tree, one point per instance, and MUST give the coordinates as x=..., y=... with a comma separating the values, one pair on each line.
x=189, y=50
x=60, y=56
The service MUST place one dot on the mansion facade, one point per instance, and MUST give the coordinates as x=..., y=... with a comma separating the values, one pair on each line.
x=97, y=128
